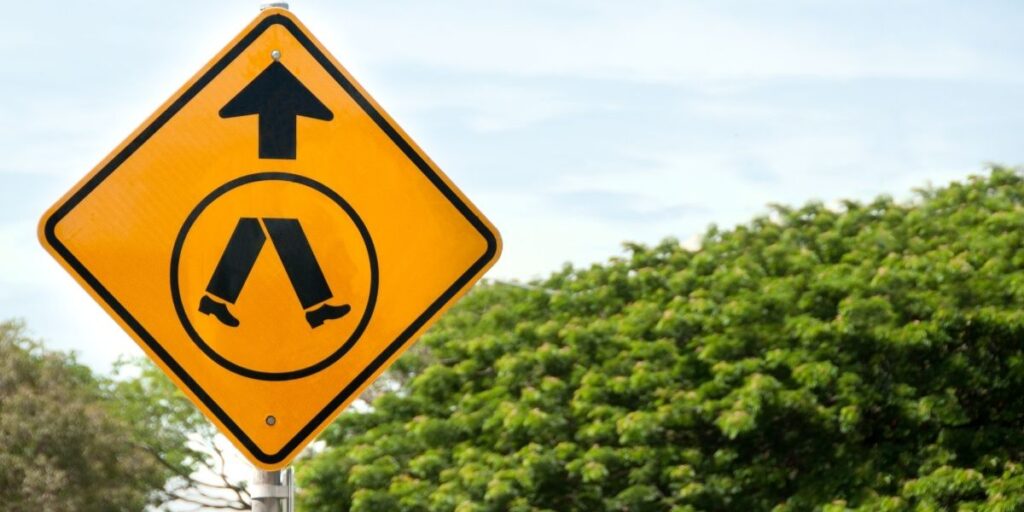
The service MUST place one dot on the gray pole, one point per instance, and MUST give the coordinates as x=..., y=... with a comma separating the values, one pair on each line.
x=271, y=493
x=290, y=482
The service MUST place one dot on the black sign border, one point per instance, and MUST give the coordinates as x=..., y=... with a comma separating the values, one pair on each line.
x=49, y=231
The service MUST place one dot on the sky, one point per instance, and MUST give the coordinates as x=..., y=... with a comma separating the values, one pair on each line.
x=574, y=125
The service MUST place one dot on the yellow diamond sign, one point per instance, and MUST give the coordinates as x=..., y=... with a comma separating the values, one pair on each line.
x=271, y=238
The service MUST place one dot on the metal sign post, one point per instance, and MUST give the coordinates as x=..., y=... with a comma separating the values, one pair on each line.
x=290, y=482
x=273, y=491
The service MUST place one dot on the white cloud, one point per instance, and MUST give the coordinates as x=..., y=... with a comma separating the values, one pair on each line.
x=486, y=106
x=686, y=42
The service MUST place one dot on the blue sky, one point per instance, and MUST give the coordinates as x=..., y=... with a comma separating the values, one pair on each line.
x=575, y=125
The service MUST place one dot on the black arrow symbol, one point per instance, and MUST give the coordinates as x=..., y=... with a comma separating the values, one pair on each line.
x=278, y=98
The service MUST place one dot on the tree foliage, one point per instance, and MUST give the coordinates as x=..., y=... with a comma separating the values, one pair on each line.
x=175, y=435
x=868, y=357
x=62, y=446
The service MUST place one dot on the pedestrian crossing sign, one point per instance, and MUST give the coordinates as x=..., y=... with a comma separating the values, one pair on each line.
x=271, y=238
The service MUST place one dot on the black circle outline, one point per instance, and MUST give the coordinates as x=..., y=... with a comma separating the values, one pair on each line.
x=176, y=293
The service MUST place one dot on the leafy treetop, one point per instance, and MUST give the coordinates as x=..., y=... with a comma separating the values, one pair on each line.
x=63, y=447
x=868, y=357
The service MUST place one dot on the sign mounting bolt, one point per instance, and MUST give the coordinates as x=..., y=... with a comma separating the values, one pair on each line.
x=271, y=420
x=276, y=55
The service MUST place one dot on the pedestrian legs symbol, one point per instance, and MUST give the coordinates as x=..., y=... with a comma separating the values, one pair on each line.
x=304, y=272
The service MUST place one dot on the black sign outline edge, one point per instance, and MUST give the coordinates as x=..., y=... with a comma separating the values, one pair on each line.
x=50, y=224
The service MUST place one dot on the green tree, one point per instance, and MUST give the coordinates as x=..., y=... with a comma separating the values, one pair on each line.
x=176, y=436
x=866, y=357
x=62, y=448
